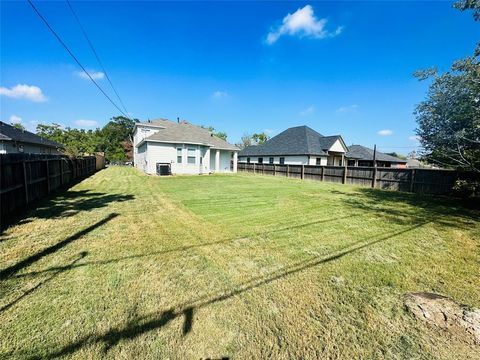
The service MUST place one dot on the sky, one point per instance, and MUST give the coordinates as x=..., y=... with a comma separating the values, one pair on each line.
x=242, y=67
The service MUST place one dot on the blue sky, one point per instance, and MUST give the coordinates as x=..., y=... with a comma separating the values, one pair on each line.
x=339, y=67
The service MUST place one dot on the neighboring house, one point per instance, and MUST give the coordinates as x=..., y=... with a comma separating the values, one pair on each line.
x=13, y=140
x=359, y=155
x=298, y=145
x=180, y=148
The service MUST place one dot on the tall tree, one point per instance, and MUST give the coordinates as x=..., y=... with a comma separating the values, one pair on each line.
x=449, y=118
x=117, y=131
x=259, y=138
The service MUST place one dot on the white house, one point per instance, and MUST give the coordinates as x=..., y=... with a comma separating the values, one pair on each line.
x=298, y=145
x=164, y=146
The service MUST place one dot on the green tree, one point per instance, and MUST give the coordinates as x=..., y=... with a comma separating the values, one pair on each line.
x=449, y=118
x=220, y=134
x=259, y=138
x=114, y=135
x=18, y=126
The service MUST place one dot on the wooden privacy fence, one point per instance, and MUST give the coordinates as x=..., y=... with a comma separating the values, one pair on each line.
x=26, y=178
x=426, y=181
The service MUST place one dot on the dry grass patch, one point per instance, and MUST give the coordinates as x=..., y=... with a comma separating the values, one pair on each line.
x=125, y=265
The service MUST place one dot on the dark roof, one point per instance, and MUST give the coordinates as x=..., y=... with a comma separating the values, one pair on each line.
x=299, y=140
x=186, y=133
x=11, y=133
x=363, y=153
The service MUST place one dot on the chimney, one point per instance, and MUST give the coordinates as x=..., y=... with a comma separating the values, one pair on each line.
x=178, y=120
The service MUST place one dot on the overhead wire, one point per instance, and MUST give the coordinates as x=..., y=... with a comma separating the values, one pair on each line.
x=95, y=53
x=74, y=57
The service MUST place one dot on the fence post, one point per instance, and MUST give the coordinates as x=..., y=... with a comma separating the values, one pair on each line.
x=61, y=172
x=374, y=179
x=263, y=169
x=25, y=183
x=254, y=168
x=274, y=169
x=412, y=180
x=302, y=174
x=288, y=170
x=323, y=173
x=344, y=180
x=48, y=176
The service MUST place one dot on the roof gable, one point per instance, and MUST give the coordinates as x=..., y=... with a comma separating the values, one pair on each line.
x=298, y=140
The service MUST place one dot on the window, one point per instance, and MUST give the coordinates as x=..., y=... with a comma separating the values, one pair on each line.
x=179, y=155
x=339, y=162
x=248, y=160
x=191, y=158
x=282, y=161
x=270, y=161
x=260, y=160
x=318, y=161
x=351, y=162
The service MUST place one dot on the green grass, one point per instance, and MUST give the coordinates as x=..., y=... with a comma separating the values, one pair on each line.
x=125, y=265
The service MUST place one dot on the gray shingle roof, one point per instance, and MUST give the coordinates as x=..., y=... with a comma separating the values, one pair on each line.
x=10, y=133
x=363, y=153
x=299, y=140
x=184, y=132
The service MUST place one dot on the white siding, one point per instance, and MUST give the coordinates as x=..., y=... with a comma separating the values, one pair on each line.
x=290, y=160
x=141, y=160
x=313, y=160
x=225, y=158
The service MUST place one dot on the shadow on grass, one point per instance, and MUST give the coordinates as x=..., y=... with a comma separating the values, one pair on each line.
x=403, y=208
x=70, y=203
x=43, y=282
x=186, y=310
x=183, y=248
x=11, y=270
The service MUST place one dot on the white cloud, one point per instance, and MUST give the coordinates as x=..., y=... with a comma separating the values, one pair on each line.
x=32, y=126
x=86, y=123
x=23, y=91
x=302, y=23
x=308, y=111
x=414, y=138
x=219, y=94
x=14, y=119
x=348, y=108
x=96, y=75
x=385, y=132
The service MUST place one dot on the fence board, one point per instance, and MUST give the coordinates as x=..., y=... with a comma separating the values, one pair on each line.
x=26, y=178
x=428, y=181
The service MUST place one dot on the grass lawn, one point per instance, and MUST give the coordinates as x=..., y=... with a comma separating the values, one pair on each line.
x=129, y=266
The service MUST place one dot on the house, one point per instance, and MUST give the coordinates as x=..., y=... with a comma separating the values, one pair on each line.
x=167, y=147
x=300, y=145
x=13, y=140
x=359, y=155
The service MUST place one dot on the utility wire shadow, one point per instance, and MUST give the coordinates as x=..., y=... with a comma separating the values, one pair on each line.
x=154, y=321
x=51, y=277
x=183, y=248
x=11, y=270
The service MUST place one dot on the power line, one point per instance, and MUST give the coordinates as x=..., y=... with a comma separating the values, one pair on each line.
x=74, y=57
x=95, y=53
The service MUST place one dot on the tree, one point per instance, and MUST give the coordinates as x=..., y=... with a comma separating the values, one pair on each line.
x=220, y=134
x=18, y=126
x=245, y=140
x=260, y=138
x=394, y=154
x=449, y=119
x=117, y=131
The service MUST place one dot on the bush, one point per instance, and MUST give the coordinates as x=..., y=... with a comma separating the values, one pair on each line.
x=467, y=188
